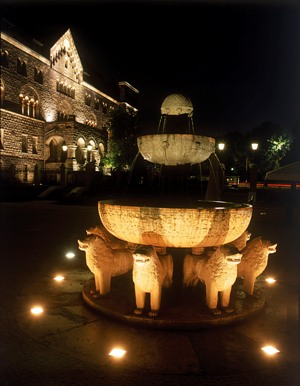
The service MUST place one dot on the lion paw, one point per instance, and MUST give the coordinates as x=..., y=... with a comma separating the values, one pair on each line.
x=153, y=313
x=215, y=311
x=228, y=310
x=257, y=293
x=97, y=295
x=138, y=311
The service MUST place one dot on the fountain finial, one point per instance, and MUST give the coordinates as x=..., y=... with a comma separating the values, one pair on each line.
x=177, y=104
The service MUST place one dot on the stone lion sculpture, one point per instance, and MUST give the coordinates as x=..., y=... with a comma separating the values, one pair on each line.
x=215, y=267
x=151, y=271
x=241, y=241
x=114, y=242
x=106, y=257
x=254, y=261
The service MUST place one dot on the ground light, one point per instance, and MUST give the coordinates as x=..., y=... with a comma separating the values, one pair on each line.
x=117, y=352
x=70, y=255
x=59, y=278
x=270, y=350
x=37, y=310
x=270, y=280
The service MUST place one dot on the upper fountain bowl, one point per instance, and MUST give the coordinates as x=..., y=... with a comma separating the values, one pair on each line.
x=175, y=149
x=197, y=223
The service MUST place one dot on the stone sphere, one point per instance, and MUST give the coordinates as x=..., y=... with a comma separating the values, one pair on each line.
x=177, y=104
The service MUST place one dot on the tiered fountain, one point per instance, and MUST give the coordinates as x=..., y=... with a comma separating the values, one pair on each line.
x=179, y=236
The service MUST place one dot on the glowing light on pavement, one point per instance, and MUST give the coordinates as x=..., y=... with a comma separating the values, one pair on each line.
x=270, y=280
x=117, y=353
x=37, y=310
x=70, y=255
x=59, y=278
x=270, y=350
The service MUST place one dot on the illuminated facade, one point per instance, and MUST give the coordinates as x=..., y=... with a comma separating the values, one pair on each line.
x=53, y=123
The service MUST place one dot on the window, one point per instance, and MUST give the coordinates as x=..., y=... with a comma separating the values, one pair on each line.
x=2, y=93
x=34, y=145
x=88, y=99
x=1, y=138
x=4, y=58
x=91, y=123
x=38, y=76
x=104, y=107
x=97, y=104
x=24, y=143
x=65, y=89
x=21, y=67
x=29, y=106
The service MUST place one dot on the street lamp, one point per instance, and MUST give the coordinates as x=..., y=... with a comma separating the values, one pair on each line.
x=221, y=146
x=254, y=146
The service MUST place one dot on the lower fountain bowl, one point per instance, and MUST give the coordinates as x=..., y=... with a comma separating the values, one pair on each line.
x=196, y=223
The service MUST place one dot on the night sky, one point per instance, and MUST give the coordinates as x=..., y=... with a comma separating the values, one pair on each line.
x=238, y=61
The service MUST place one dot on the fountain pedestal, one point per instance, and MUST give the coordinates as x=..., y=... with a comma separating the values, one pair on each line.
x=198, y=237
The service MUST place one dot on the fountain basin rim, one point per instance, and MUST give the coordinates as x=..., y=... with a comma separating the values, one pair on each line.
x=162, y=204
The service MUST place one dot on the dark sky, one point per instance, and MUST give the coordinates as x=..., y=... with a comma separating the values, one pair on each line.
x=238, y=61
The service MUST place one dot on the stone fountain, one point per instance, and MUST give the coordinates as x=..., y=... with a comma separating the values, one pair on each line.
x=175, y=243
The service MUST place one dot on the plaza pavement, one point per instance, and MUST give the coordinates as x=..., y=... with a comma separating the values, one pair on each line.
x=68, y=345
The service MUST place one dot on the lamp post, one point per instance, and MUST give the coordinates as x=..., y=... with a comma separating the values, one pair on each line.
x=63, y=169
x=221, y=147
x=253, y=177
x=254, y=146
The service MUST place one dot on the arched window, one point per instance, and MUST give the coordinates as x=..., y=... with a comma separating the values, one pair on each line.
x=104, y=108
x=29, y=106
x=53, y=151
x=97, y=104
x=65, y=89
x=21, y=67
x=38, y=76
x=79, y=154
x=4, y=58
x=2, y=92
x=88, y=99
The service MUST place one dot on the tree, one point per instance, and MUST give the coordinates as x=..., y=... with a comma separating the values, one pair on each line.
x=277, y=147
x=122, y=142
x=274, y=143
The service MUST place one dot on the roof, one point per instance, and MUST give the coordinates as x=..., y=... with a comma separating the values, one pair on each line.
x=286, y=173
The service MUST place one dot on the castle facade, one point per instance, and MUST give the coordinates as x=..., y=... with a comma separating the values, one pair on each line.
x=54, y=125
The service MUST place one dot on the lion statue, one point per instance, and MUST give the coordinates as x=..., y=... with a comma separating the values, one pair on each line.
x=241, y=241
x=114, y=242
x=151, y=271
x=216, y=267
x=105, y=259
x=254, y=261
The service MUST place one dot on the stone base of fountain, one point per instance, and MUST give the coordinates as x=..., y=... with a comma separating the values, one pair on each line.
x=181, y=308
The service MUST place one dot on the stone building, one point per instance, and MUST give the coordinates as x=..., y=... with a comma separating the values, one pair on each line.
x=54, y=125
